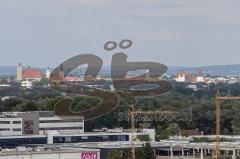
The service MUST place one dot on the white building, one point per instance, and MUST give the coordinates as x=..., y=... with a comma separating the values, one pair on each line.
x=47, y=152
x=11, y=126
x=48, y=73
x=27, y=84
x=28, y=74
x=34, y=123
x=181, y=76
x=19, y=72
x=70, y=125
x=200, y=79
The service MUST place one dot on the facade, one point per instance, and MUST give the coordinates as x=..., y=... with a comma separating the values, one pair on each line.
x=182, y=76
x=19, y=72
x=57, y=138
x=72, y=125
x=11, y=126
x=34, y=123
x=28, y=74
x=27, y=84
x=48, y=73
x=48, y=152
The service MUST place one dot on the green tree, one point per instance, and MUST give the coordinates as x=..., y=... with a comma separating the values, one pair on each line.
x=147, y=151
x=114, y=154
x=143, y=137
x=171, y=130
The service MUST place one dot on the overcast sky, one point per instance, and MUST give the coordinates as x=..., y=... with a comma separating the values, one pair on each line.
x=172, y=32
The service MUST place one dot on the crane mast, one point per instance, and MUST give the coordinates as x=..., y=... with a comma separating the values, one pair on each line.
x=218, y=119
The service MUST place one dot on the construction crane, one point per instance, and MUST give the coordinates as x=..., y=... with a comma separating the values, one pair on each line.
x=218, y=119
x=133, y=113
x=133, y=128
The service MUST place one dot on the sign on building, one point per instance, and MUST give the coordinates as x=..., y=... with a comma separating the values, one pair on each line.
x=89, y=155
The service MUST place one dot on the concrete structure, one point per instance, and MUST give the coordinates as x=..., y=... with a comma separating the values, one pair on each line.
x=50, y=152
x=14, y=123
x=34, y=123
x=27, y=84
x=172, y=149
x=11, y=126
x=182, y=76
x=19, y=72
x=66, y=125
x=54, y=137
x=48, y=73
x=28, y=74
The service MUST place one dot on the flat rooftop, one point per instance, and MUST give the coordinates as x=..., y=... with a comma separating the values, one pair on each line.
x=158, y=145
x=44, y=149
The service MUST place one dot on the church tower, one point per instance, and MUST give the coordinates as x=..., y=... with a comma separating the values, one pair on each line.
x=19, y=72
x=48, y=73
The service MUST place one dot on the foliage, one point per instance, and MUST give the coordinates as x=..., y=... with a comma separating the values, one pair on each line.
x=143, y=137
x=115, y=154
x=201, y=139
x=172, y=130
x=195, y=109
x=82, y=103
x=148, y=152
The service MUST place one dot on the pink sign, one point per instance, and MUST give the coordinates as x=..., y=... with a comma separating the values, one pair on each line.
x=89, y=155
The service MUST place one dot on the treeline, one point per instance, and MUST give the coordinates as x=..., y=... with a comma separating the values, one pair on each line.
x=193, y=109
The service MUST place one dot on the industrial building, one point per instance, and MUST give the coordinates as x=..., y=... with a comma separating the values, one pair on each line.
x=49, y=152
x=56, y=138
x=35, y=123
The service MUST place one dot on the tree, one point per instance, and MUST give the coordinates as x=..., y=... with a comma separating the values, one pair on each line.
x=171, y=130
x=143, y=138
x=114, y=154
x=147, y=151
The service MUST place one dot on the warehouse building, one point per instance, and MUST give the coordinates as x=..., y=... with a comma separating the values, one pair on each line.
x=35, y=123
x=50, y=152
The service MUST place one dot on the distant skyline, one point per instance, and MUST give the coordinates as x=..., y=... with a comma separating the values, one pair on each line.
x=172, y=32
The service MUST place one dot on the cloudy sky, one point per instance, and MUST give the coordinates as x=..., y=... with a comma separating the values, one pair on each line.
x=172, y=32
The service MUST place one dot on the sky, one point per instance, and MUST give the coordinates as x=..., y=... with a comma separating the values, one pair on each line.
x=171, y=32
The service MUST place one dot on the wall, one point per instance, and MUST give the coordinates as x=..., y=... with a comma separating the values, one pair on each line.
x=61, y=155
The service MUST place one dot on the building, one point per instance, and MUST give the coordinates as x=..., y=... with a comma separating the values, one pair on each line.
x=16, y=123
x=27, y=84
x=71, y=78
x=19, y=72
x=35, y=123
x=66, y=125
x=48, y=73
x=13, y=141
x=182, y=76
x=28, y=74
x=50, y=152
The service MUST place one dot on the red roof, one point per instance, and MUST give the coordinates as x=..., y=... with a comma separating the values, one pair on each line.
x=182, y=73
x=32, y=73
x=71, y=78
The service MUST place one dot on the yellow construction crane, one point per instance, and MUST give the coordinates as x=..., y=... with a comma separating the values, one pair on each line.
x=133, y=149
x=133, y=113
x=218, y=119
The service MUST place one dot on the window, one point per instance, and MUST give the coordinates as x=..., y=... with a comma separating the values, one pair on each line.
x=61, y=121
x=17, y=129
x=4, y=122
x=4, y=129
x=17, y=122
x=62, y=128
